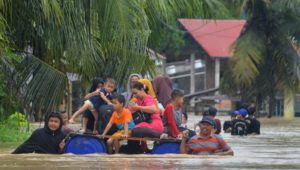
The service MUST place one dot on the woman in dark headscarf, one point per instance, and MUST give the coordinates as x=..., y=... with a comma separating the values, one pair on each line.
x=87, y=116
x=163, y=85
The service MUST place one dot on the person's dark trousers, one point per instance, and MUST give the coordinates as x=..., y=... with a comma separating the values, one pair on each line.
x=145, y=132
x=134, y=147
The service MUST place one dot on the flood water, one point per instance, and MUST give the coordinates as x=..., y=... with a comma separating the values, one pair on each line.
x=276, y=148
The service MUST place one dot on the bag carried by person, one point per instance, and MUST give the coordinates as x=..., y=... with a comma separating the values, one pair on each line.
x=104, y=114
x=140, y=116
x=239, y=128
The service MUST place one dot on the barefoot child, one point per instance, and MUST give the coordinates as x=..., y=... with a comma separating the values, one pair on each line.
x=123, y=119
x=94, y=102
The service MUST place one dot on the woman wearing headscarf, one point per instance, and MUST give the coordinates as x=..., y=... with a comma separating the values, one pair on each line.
x=87, y=116
x=145, y=100
x=128, y=95
x=163, y=85
x=146, y=103
x=151, y=91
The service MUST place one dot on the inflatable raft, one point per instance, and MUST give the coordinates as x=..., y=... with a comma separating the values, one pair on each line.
x=83, y=143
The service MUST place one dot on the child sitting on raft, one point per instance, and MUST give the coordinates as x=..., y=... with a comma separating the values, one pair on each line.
x=95, y=102
x=123, y=119
x=173, y=116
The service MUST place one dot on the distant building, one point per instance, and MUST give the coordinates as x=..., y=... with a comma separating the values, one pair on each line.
x=202, y=61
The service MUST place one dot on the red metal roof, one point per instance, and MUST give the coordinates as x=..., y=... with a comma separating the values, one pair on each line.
x=214, y=37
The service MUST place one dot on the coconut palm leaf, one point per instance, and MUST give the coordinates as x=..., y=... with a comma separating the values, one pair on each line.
x=39, y=84
x=265, y=59
x=94, y=38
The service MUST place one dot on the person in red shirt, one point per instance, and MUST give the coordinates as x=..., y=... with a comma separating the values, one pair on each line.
x=206, y=143
x=173, y=114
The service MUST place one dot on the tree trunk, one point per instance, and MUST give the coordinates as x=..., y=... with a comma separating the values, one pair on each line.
x=272, y=102
x=258, y=105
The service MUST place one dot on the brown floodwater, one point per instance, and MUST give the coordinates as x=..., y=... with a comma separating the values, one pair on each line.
x=276, y=148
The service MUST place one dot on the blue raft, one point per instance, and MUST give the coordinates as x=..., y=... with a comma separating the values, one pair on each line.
x=84, y=145
x=89, y=144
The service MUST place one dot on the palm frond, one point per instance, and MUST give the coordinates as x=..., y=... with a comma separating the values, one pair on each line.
x=264, y=57
x=248, y=53
x=95, y=38
x=39, y=83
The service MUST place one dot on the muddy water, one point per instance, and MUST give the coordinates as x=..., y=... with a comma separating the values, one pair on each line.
x=276, y=148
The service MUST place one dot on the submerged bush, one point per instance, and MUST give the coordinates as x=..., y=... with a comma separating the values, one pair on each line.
x=15, y=129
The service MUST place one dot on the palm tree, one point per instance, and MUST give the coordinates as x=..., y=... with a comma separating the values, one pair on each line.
x=264, y=58
x=106, y=38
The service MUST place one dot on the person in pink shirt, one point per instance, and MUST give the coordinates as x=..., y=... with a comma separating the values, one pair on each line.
x=146, y=104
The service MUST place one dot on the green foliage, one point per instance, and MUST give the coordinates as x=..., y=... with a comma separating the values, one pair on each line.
x=14, y=128
x=8, y=101
x=171, y=40
x=95, y=38
x=8, y=104
x=264, y=58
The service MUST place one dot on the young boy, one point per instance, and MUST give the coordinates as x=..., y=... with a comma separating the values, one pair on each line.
x=227, y=127
x=184, y=120
x=123, y=119
x=183, y=125
x=172, y=118
x=254, y=127
x=64, y=117
x=240, y=125
x=95, y=102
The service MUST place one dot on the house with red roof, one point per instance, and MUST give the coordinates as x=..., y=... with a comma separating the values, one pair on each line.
x=203, y=59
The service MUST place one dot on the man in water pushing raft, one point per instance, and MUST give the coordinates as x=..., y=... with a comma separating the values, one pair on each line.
x=50, y=139
x=205, y=143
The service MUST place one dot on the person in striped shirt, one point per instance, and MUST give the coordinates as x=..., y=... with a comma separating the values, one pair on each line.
x=205, y=143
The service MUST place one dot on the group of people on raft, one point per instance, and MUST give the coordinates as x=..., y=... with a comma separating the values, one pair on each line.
x=157, y=99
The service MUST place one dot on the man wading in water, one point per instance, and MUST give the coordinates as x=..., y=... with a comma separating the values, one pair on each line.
x=205, y=143
x=49, y=139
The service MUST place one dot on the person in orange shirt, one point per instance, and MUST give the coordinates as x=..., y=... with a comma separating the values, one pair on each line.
x=123, y=119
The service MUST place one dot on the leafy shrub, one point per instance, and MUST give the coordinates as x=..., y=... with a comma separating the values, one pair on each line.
x=14, y=129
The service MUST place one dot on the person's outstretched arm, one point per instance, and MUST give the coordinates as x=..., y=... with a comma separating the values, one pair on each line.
x=62, y=146
x=171, y=122
x=104, y=98
x=183, y=146
x=226, y=150
x=108, y=126
x=125, y=130
x=229, y=152
x=29, y=146
x=148, y=109
x=89, y=95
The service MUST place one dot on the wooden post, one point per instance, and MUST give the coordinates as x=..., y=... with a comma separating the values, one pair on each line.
x=217, y=77
x=217, y=72
x=192, y=85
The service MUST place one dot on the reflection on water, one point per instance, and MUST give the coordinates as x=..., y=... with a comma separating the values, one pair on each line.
x=276, y=148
